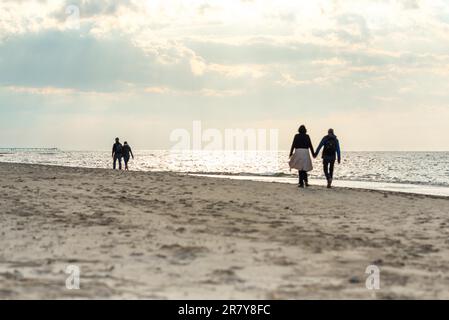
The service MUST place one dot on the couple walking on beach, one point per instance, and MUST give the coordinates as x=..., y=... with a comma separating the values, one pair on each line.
x=120, y=151
x=301, y=160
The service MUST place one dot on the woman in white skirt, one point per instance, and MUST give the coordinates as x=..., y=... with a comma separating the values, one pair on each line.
x=301, y=159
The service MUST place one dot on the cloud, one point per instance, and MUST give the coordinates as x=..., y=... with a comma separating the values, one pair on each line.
x=93, y=8
x=353, y=28
x=409, y=4
x=40, y=90
x=257, y=60
x=204, y=92
x=290, y=81
x=257, y=51
x=70, y=60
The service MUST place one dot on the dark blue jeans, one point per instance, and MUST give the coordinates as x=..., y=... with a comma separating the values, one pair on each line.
x=328, y=166
x=118, y=158
x=126, y=158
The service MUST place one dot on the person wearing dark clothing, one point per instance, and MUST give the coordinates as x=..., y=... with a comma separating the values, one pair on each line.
x=300, y=159
x=331, y=152
x=117, y=153
x=126, y=152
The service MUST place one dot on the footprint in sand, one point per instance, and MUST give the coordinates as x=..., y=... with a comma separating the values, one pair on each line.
x=179, y=254
x=223, y=276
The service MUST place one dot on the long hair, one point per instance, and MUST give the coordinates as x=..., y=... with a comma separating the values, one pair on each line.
x=302, y=129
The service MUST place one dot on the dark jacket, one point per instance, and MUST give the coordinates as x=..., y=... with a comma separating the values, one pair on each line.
x=127, y=150
x=323, y=143
x=301, y=141
x=117, y=149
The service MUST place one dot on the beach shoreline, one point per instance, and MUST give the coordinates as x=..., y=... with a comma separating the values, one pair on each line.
x=438, y=192
x=163, y=235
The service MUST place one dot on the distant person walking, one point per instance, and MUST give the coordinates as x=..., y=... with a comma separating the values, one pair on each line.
x=126, y=152
x=331, y=152
x=117, y=153
x=300, y=159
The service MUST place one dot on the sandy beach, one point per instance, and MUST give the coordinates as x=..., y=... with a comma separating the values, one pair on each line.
x=172, y=236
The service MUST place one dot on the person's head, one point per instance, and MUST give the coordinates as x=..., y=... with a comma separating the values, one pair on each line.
x=302, y=129
x=117, y=139
x=330, y=132
x=125, y=142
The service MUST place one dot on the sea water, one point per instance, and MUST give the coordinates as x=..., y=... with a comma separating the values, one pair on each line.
x=418, y=172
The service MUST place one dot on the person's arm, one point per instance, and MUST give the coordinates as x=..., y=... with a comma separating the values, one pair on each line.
x=338, y=151
x=319, y=147
x=311, y=146
x=113, y=150
x=130, y=151
x=293, y=146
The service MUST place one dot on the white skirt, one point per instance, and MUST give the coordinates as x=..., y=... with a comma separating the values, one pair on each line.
x=301, y=160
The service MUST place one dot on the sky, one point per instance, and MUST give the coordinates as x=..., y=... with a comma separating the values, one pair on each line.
x=75, y=74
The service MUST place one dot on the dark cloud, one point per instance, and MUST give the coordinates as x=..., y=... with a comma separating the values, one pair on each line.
x=70, y=60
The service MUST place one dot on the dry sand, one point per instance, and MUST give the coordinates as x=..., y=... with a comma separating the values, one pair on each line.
x=167, y=236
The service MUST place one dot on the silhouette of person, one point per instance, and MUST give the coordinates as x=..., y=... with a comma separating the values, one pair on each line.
x=301, y=160
x=117, y=153
x=331, y=151
x=126, y=152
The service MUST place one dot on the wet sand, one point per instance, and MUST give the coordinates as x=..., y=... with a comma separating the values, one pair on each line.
x=170, y=236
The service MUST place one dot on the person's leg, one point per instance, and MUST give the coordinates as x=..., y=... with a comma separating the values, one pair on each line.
x=331, y=169
x=326, y=166
x=301, y=179
x=120, y=163
x=126, y=159
x=330, y=172
x=326, y=169
x=306, y=179
x=115, y=162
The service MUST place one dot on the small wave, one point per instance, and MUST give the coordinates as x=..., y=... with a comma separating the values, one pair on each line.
x=367, y=178
x=394, y=181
